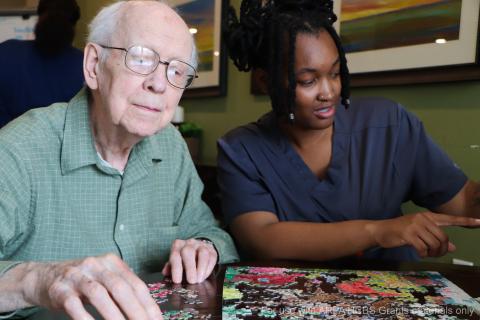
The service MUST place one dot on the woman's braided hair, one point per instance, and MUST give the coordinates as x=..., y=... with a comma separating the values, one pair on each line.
x=257, y=41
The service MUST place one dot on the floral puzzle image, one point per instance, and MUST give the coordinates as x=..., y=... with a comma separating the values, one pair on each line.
x=290, y=294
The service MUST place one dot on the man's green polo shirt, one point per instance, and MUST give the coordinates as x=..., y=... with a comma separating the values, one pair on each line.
x=58, y=201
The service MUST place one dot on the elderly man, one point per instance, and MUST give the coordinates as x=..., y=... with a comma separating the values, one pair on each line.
x=104, y=183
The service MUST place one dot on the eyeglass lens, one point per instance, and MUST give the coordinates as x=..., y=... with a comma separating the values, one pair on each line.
x=144, y=61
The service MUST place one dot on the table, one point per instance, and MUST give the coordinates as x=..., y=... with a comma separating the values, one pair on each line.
x=210, y=291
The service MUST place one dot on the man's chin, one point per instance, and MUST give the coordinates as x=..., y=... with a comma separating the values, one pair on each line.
x=147, y=131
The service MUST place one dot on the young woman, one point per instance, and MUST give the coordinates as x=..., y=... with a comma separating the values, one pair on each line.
x=321, y=177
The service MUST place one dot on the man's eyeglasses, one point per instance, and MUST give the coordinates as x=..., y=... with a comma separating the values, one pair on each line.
x=144, y=61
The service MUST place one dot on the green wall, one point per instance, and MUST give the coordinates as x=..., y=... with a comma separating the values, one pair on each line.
x=450, y=112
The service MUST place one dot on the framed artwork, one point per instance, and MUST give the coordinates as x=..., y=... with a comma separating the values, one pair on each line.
x=204, y=18
x=393, y=42
x=404, y=42
x=18, y=7
x=17, y=27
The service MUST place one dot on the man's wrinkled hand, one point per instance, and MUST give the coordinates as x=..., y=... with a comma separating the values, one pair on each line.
x=105, y=282
x=195, y=257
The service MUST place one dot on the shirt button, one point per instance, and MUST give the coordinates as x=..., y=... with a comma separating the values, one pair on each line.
x=121, y=227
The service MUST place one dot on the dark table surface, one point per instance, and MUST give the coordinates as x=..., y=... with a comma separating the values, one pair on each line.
x=210, y=291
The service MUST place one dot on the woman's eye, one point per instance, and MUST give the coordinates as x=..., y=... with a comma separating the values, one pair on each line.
x=335, y=74
x=306, y=83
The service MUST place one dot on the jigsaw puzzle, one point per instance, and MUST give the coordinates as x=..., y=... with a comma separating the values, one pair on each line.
x=290, y=294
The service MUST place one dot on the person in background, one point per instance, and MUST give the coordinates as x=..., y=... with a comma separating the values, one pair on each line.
x=97, y=190
x=37, y=73
x=322, y=177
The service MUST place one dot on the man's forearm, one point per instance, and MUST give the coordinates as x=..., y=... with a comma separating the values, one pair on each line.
x=12, y=287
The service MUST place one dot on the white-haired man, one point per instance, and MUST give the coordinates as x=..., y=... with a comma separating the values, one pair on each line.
x=104, y=183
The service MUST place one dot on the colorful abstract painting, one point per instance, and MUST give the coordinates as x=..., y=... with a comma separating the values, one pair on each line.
x=200, y=14
x=380, y=24
x=291, y=294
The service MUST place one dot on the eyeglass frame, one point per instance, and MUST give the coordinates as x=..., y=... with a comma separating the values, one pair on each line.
x=160, y=61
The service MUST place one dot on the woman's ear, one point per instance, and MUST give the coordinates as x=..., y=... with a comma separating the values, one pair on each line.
x=260, y=81
x=91, y=61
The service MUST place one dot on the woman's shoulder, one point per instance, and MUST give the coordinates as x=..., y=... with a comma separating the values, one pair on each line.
x=252, y=140
x=371, y=112
x=251, y=133
x=20, y=49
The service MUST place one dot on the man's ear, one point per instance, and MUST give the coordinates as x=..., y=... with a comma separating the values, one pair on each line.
x=91, y=62
x=260, y=81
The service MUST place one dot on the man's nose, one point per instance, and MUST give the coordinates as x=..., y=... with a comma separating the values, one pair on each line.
x=157, y=80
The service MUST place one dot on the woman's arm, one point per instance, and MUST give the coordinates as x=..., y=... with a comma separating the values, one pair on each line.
x=265, y=237
x=465, y=203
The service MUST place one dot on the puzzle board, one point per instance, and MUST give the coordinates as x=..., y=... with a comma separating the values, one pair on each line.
x=290, y=294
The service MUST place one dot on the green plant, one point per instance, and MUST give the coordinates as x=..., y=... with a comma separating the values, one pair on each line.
x=190, y=130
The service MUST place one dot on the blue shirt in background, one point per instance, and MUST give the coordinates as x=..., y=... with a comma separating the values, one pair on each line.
x=381, y=158
x=30, y=79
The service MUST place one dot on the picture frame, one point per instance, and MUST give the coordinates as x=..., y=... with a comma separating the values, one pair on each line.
x=18, y=7
x=421, y=61
x=205, y=19
x=416, y=63
x=18, y=26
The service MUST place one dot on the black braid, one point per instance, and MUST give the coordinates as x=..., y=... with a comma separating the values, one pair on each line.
x=258, y=38
x=278, y=95
x=291, y=74
x=344, y=73
x=245, y=37
x=271, y=62
x=275, y=75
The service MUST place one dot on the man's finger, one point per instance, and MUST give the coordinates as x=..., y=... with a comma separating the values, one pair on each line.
x=167, y=270
x=203, y=255
x=176, y=266
x=74, y=308
x=142, y=293
x=212, y=262
x=100, y=298
x=150, y=306
x=126, y=296
x=128, y=289
x=189, y=257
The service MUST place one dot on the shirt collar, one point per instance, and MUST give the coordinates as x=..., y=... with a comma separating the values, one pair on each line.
x=78, y=148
